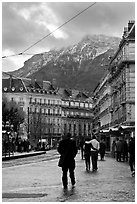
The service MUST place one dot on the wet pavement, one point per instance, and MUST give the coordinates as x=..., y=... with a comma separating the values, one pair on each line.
x=41, y=182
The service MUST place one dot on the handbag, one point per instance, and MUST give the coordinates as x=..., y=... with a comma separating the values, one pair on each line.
x=61, y=161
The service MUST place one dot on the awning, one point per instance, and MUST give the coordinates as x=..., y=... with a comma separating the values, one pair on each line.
x=124, y=127
x=127, y=127
x=110, y=129
x=113, y=129
x=42, y=140
x=104, y=131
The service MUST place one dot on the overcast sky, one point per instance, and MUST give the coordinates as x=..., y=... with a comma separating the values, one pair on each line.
x=24, y=23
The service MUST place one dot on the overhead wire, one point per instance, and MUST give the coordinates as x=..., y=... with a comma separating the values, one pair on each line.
x=22, y=53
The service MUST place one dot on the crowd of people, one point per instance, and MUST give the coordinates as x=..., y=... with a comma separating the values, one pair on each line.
x=90, y=149
x=123, y=151
x=15, y=145
x=120, y=150
x=68, y=149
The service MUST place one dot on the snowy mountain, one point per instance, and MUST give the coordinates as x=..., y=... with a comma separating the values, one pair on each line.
x=79, y=66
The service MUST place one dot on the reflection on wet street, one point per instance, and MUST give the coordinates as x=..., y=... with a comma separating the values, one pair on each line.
x=41, y=181
x=68, y=194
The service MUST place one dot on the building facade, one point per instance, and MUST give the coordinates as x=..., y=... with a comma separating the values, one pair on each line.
x=102, y=109
x=42, y=107
x=49, y=113
x=77, y=115
x=114, y=97
x=122, y=80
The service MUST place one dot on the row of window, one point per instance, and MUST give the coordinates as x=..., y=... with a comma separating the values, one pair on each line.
x=40, y=101
x=57, y=112
x=77, y=104
x=43, y=121
x=46, y=130
x=44, y=101
x=47, y=111
x=66, y=113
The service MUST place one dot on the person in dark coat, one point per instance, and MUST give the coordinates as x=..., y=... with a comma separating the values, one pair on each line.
x=102, y=149
x=131, y=150
x=125, y=151
x=87, y=154
x=114, y=149
x=119, y=149
x=67, y=148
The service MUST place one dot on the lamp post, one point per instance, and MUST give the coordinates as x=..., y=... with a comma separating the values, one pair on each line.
x=28, y=124
x=7, y=127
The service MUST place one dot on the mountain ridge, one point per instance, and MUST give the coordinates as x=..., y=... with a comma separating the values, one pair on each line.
x=79, y=66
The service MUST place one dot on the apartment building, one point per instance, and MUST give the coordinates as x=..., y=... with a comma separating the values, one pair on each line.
x=42, y=107
x=102, y=109
x=114, y=97
x=49, y=113
x=77, y=115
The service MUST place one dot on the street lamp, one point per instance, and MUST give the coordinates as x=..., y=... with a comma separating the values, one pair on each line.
x=7, y=126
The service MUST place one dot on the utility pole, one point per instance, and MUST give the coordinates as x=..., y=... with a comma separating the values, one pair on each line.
x=40, y=125
x=28, y=123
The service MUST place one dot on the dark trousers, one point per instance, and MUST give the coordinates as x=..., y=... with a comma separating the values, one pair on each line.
x=132, y=162
x=87, y=161
x=94, y=157
x=125, y=156
x=102, y=154
x=82, y=153
x=118, y=156
x=71, y=174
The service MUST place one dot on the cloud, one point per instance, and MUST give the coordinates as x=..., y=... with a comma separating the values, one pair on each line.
x=25, y=23
x=14, y=63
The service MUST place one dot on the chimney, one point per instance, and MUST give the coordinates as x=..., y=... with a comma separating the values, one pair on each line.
x=125, y=32
x=54, y=82
x=130, y=24
x=125, y=29
x=10, y=79
x=46, y=85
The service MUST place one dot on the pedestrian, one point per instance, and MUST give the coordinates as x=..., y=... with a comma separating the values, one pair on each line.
x=102, y=149
x=43, y=146
x=113, y=149
x=94, y=152
x=68, y=150
x=131, y=150
x=119, y=149
x=125, y=151
x=87, y=154
x=81, y=148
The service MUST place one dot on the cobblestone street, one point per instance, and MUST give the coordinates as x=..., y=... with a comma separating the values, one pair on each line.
x=41, y=182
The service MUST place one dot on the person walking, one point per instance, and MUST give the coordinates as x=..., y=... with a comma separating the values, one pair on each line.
x=125, y=151
x=68, y=150
x=119, y=149
x=94, y=152
x=113, y=149
x=102, y=149
x=131, y=150
x=81, y=148
x=87, y=154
